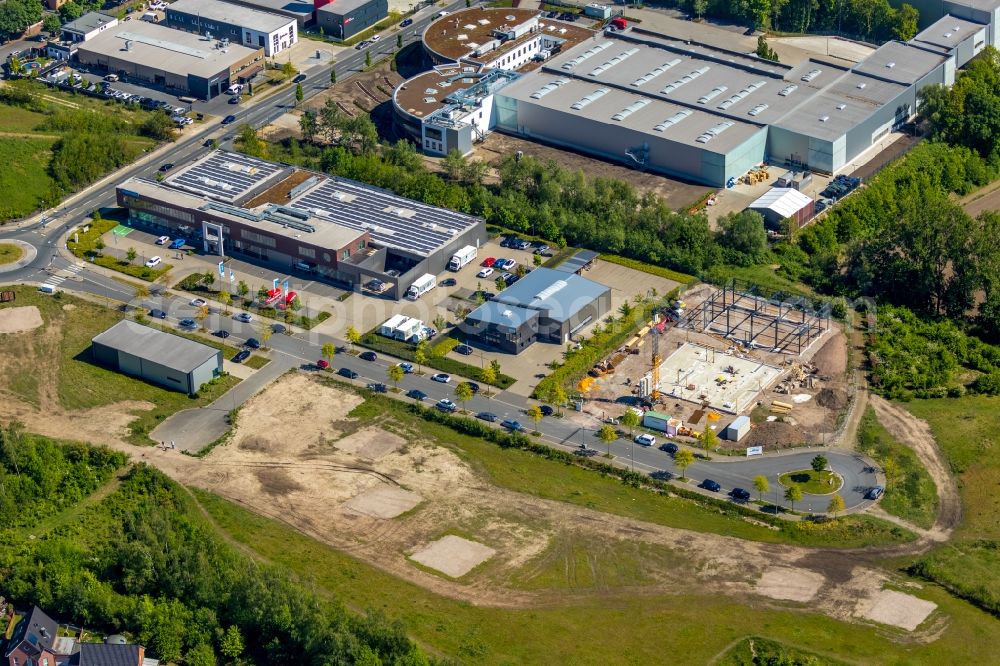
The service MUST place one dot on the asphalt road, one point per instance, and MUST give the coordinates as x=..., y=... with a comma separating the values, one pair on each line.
x=304, y=350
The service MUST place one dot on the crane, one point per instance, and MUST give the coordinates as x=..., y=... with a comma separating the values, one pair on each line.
x=659, y=326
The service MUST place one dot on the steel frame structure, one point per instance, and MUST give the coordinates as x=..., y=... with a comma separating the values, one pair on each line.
x=745, y=313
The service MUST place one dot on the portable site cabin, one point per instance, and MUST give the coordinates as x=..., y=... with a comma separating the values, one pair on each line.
x=656, y=420
x=388, y=329
x=738, y=429
x=408, y=328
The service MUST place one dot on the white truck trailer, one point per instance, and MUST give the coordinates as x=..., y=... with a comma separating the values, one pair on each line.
x=462, y=258
x=421, y=286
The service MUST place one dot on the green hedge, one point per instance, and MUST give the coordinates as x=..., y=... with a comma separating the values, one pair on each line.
x=579, y=362
x=659, y=271
x=441, y=348
x=405, y=351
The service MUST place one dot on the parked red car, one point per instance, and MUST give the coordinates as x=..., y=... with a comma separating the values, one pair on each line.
x=322, y=364
x=489, y=261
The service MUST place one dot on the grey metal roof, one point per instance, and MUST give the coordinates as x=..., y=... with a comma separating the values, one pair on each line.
x=841, y=106
x=978, y=5
x=503, y=315
x=390, y=220
x=226, y=12
x=947, y=32
x=150, y=344
x=343, y=7
x=88, y=22
x=100, y=654
x=899, y=62
x=577, y=261
x=559, y=295
x=302, y=10
x=162, y=48
x=225, y=176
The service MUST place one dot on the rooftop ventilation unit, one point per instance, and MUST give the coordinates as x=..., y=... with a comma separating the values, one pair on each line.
x=656, y=71
x=841, y=107
x=592, y=51
x=890, y=65
x=757, y=110
x=712, y=94
x=823, y=119
x=713, y=132
x=811, y=74
x=788, y=90
x=547, y=88
x=592, y=97
x=603, y=67
x=630, y=109
x=861, y=86
x=672, y=120
x=687, y=78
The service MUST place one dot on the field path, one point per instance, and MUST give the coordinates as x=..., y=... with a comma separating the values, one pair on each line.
x=916, y=434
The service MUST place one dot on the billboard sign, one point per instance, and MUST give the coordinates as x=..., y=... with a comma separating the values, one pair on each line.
x=755, y=451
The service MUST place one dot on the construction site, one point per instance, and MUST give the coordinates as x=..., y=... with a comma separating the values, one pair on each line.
x=759, y=369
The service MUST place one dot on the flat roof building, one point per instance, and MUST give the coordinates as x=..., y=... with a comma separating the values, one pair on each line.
x=187, y=63
x=342, y=19
x=252, y=28
x=300, y=10
x=346, y=232
x=87, y=26
x=156, y=356
x=546, y=304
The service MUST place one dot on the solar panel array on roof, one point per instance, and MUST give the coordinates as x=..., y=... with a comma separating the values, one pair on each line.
x=390, y=220
x=225, y=176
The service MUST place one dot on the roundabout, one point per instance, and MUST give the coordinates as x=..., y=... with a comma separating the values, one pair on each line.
x=15, y=254
x=812, y=482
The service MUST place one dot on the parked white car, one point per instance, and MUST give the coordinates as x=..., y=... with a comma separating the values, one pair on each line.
x=163, y=240
x=645, y=440
x=485, y=273
x=153, y=262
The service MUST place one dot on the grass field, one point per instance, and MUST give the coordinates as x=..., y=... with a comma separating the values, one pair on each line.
x=532, y=474
x=24, y=178
x=9, y=253
x=910, y=492
x=965, y=429
x=597, y=626
x=59, y=353
x=812, y=482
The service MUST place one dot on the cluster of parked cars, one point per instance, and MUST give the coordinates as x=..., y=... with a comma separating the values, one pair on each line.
x=563, y=16
x=838, y=188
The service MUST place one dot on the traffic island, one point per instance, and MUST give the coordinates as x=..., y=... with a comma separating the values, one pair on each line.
x=812, y=482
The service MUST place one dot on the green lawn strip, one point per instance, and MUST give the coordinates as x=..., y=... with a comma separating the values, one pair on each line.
x=968, y=569
x=404, y=350
x=910, y=492
x=812, y=482
x=530, y=471
x=83, y=244
x=605, y=628
x=659, y=271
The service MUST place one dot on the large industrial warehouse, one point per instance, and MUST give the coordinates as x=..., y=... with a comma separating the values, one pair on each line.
x=181, y=61
x=251, y=27
x=686, y=109
x=339, y=230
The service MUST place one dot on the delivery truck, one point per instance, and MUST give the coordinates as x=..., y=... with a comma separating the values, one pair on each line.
x=421, y=286
x=462, y=257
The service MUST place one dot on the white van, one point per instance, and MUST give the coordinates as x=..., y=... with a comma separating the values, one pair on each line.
x=111, y=77
x=47, y=289
x=440, y=14
x=235, y=89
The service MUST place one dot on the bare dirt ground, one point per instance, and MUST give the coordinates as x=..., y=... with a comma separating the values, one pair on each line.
x=297, y=457
x=916, y=434
x=19, y=319
x=453, y=555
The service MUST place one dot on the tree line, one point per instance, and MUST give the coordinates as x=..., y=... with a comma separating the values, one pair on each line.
x=143, y=562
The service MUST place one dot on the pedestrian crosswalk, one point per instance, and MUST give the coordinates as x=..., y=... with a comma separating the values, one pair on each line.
x=55, y=280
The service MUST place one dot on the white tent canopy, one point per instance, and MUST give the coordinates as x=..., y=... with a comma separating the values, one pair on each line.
x=781, y=201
